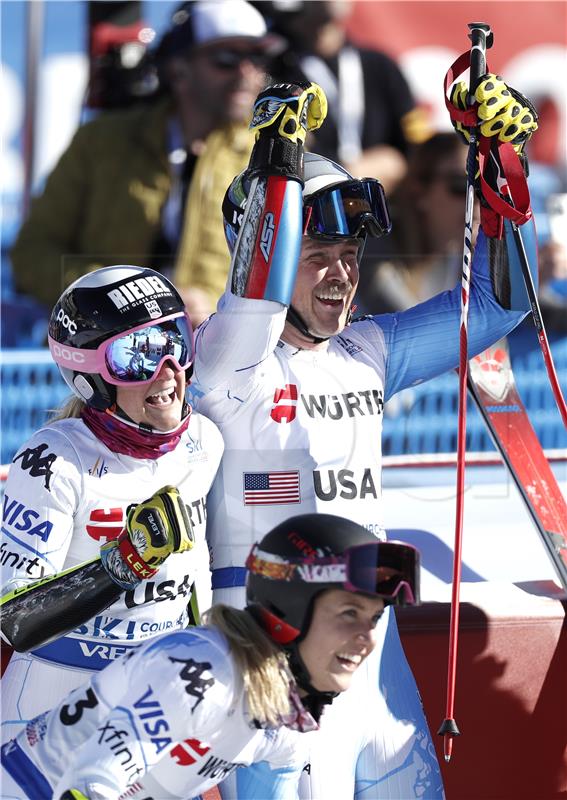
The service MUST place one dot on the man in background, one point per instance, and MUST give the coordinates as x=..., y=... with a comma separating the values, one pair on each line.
x=373, y=118
x=144, y=185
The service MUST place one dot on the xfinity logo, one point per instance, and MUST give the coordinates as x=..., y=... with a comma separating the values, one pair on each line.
x=66, y=321
x=137, y=290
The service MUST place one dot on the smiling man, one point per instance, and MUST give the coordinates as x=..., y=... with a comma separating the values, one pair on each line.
x=298, y=389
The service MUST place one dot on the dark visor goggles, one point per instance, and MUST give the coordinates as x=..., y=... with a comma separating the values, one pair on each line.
x=389, y=570
x=135, y=356
x=349, y=209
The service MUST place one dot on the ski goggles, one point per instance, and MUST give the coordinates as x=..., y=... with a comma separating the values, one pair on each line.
x=349, y=209
x=389, y=570
x=134, y=357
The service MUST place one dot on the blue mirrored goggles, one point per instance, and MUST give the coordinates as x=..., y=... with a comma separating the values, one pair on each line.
x=350, y=209
x=137, y=356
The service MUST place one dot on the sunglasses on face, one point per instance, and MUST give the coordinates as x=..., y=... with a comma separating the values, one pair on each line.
x=227, y=59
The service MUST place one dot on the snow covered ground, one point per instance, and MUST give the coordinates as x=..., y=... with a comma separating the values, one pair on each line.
x=500, y=541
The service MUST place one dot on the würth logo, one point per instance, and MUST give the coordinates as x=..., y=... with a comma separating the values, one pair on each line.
x=285, y=402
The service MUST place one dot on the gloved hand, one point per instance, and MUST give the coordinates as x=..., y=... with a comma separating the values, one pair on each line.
x=502, y=111
x=155, y=529
x=289, y=110
x=282, y=115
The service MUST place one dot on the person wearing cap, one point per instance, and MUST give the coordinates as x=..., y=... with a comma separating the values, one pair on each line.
x=190, y=707
x=144, y=185
x=298, y=387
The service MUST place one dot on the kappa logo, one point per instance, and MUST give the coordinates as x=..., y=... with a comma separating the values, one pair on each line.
x=267, y=235
x=285, y=403
x=37, y=464
x=192, y=674
x=137, y=291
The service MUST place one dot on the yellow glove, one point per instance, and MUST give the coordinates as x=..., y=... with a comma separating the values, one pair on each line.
x=155, y=529
x=289, y=110
x=502, y=111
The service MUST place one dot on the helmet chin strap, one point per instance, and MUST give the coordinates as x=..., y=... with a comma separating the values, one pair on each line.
x=294, y=318
x=186, y=410
x=315, y=700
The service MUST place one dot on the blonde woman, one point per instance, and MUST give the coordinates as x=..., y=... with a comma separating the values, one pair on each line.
x=184, y=711
x=124, y=437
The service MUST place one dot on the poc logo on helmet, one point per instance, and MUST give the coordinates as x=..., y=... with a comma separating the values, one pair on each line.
x=66, y=321
x=60, y=351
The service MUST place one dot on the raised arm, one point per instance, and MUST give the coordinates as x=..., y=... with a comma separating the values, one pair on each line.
x=263, y=221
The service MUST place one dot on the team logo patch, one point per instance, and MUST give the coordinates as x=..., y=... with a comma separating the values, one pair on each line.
x=285, y=404
x=271, y=488
x=192, y=674
x=98, y=469
x=153, y=309
x=493, y=374
x=37, y=462
x=105, y=523
x=347, y=344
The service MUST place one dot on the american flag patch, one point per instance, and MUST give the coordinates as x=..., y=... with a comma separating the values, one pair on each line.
x=271, y=488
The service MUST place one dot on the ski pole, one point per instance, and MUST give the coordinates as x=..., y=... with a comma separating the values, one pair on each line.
x=512, y=202
x=538, y=323
x=481, y=38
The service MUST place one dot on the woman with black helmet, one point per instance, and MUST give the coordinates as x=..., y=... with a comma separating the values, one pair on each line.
x=79, y=488
x=182, y=712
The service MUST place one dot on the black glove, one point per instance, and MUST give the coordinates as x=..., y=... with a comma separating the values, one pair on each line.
x=502, y=112
x=282, y=115
x=154, y=530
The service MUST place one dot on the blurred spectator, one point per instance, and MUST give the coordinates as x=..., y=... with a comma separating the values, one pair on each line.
x=553, y=265
x=426, y=243
x=372, y=114
x=144, y=185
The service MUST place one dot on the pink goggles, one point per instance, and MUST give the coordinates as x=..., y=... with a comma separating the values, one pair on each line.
x=134, y=357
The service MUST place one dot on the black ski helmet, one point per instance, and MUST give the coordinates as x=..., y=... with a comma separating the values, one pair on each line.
x=98, y=306
x=301, y=557
x=318, y=173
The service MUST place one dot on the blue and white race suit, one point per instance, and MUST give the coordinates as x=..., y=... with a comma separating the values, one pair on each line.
x=168, y=720
x=66, y=494
x=302, y=432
